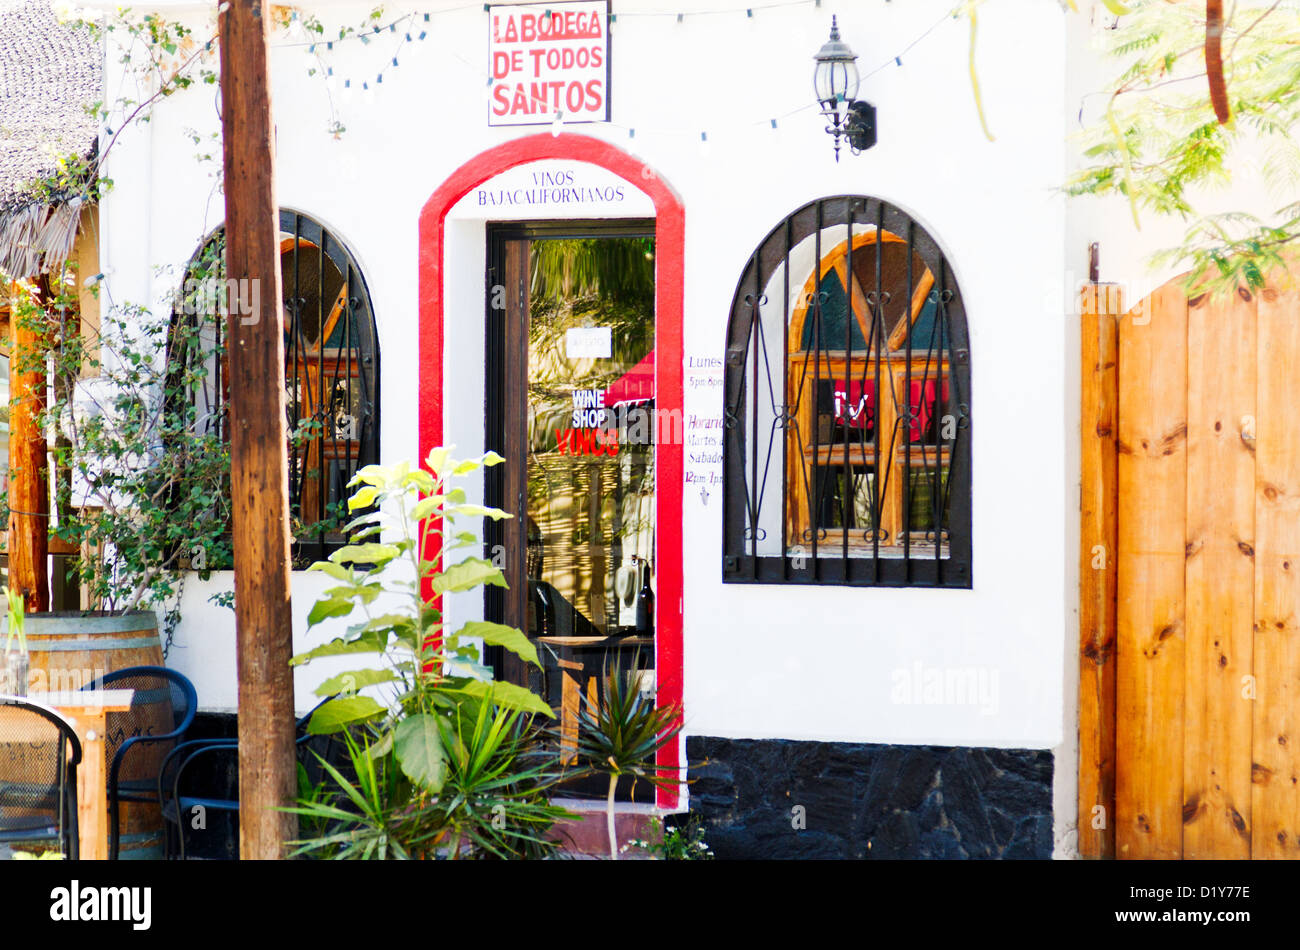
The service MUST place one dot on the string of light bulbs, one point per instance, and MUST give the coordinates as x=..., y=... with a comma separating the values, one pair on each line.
x=369, y=31
x=414, y=27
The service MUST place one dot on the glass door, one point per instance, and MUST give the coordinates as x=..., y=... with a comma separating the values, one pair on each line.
x=571, y=407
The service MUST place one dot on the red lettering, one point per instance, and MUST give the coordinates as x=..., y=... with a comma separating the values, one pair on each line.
x=568, y=98
x=500, y=65
x=608, y=440
x=597, y=57
x=502, y=103
x=529, y=27
x=595, y=99
x=520, y=105
x=583, y=442
x=539, y=98
x=562, y=440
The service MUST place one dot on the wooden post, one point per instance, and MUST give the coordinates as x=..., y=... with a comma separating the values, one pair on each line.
x=1100, y=308
x=259, y=478
x=29, y=500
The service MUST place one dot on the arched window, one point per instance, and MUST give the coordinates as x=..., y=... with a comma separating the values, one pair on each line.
x=331, y=371
x=846, y=457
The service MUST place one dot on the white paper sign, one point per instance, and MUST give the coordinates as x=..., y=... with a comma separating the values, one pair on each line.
x=588, y=343
x=549, y=58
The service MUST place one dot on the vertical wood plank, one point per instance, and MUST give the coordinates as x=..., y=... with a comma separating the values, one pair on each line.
x=1275, y=799
x=29, y=498
x=514, y=446
x=1100, y=307
x=570, y=708
x=92, y=782
x=1152, y=472
x=893, y=433
x=1220, y=580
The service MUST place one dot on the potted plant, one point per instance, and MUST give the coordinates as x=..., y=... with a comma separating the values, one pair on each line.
x=13, y=663
x=443, y=760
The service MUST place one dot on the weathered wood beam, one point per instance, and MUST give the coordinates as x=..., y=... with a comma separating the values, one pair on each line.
x=259, y=467
x=29, y=499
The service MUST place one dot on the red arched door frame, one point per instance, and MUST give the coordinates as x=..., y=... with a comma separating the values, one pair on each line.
x=670, y=235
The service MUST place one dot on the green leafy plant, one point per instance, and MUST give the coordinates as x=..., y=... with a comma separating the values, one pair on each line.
x=362, y=817
x=15, y=606
x=444, y=759
x=678, y=842
x=620, y=735
x=143, y=467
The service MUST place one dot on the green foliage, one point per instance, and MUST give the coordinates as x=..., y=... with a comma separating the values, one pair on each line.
x=15, y=611
x=674, y=843
x=621, y=270
x=624, y=730
x=1161, y=148
x=444, y=760
x=621, y=734
x=142, y=468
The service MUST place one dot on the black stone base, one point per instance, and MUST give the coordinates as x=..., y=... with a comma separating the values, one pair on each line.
x=776, y=798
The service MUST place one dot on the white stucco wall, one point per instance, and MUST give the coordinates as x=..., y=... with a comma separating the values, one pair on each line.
x=800, y=663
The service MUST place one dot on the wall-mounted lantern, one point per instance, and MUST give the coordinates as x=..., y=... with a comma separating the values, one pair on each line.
x=836, y=82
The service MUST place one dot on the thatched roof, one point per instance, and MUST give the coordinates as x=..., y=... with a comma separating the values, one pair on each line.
x=49, y=74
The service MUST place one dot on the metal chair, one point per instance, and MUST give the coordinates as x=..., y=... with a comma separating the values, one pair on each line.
x=162, y=711
x=39, y=755
x=180, y=801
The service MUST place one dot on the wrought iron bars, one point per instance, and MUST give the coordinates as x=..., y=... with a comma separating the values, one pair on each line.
x=846, y=410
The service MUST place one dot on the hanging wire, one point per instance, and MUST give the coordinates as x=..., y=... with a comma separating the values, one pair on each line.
x=543, y=106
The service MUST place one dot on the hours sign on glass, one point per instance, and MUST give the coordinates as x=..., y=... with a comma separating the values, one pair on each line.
x=549, y=62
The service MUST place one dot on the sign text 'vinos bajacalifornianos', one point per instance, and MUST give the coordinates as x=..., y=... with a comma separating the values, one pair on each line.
x=549, y=60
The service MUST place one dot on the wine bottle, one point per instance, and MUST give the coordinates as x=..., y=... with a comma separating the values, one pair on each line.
x=645, y=603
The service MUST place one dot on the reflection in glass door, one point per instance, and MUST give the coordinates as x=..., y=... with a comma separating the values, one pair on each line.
x=570, y=404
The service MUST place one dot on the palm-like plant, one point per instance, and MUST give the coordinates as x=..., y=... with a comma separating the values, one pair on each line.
x=621, y=734
x=491, y=803
x=497, y=779
x=368, y=816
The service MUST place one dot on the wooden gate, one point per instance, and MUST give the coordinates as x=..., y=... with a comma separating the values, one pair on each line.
x=1189, y=719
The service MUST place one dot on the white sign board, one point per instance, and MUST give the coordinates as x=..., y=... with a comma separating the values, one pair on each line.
x=588, y=343
x=549, y=59
x=554, y=188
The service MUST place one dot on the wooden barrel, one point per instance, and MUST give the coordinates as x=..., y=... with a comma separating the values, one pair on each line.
x=72, y=649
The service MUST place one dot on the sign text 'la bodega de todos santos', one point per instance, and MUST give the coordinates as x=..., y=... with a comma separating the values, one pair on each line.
x=549, y=61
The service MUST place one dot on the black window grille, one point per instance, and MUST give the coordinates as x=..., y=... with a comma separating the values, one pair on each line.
x=846, y=456
x=331, y=373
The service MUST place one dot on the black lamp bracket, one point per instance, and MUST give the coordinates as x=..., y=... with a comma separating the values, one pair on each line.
x=860, y=126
